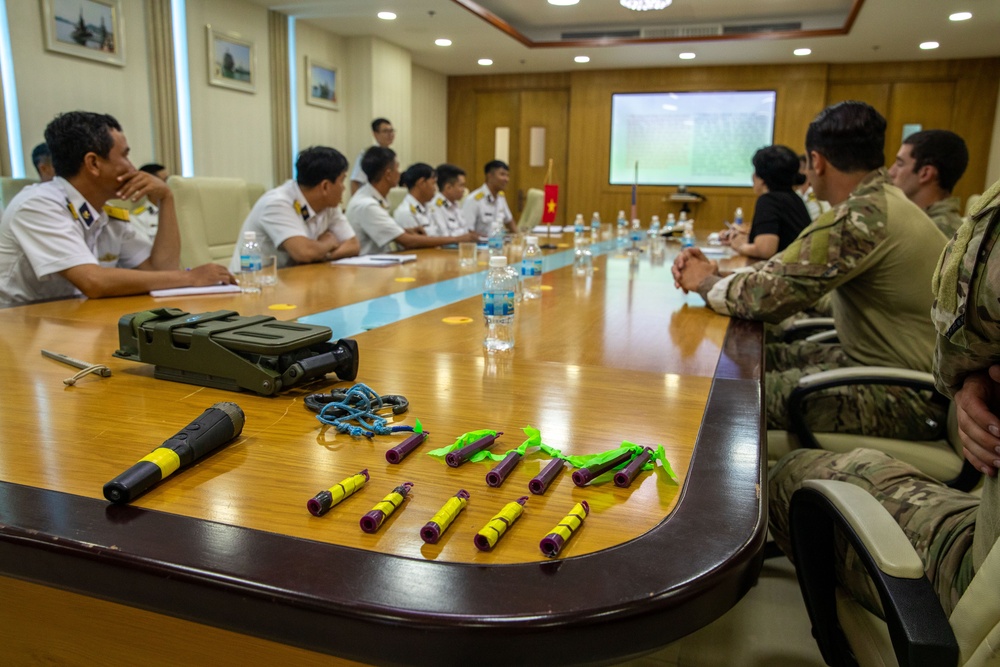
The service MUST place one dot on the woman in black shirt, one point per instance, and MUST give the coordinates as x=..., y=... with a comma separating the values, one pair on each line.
x=780, y=214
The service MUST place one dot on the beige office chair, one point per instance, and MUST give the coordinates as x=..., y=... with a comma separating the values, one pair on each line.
x=916, y=630
x=531, y=214
x=941, y=458
x=210, y=212
x=9, y=187
x=395, y=198
x=254, y=192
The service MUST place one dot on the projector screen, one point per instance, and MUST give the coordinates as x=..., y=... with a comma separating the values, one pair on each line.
x=704, y=138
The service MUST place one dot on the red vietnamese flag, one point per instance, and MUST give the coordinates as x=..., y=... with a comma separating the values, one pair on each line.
x=551, y=204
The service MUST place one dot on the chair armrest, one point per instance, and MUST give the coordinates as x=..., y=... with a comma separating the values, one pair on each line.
x=918, y=627
x=840, y=377
x=811, y=323
x=828, y=336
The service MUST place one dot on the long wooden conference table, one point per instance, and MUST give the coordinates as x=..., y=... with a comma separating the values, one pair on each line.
x=221, y=563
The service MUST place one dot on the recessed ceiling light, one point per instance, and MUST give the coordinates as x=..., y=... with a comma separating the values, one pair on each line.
x=926, y=46
x=581, y=59
x=686, y=56
x=563, y=3
x=960, y=16
x=802, y=52
x=485, y=62
x=387, y=16
x=442, y=42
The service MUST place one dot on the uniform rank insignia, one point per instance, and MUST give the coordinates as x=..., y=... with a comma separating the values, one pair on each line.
x=480, y=195
x=86, y=215
x=107, y=258
x=439, y=201
x=115, y=213
x=302, y=210
x=413, y=209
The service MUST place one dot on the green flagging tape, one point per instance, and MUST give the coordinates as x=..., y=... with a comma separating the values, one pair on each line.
x=419, y=428
x=534, y=441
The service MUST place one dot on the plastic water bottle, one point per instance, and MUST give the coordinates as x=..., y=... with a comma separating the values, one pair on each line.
x=495, y=242
x=531, y=269
x=738, y=217
x=515, y=276
x=654, y=228
x=498, y=306
x=250, y=263
x=595, y=227
x=688, y=239
x=583, y=260
x=635, y=237
x=622, y=230
x=671, y=221
x=578, y=229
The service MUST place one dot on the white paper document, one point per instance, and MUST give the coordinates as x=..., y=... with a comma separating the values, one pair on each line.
x=376, y=260
x=191, y=291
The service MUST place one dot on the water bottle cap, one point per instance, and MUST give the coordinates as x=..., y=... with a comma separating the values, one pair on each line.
x=497, y=260
x=249, y=236
x=531, y=240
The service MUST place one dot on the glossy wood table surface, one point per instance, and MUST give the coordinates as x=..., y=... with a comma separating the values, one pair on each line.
x=228, y=542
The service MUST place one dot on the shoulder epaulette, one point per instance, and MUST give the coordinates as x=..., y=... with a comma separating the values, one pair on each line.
x=116, y=213
x=439, y=201
x=480, y=195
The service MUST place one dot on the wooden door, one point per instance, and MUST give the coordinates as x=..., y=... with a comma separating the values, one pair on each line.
x=548, y=109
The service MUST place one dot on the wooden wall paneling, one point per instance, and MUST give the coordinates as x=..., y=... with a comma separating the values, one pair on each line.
x=462, y=131
x=548, y=109
x=875, y=94
x=927, y=103
x=493, y=110
x=973, y=110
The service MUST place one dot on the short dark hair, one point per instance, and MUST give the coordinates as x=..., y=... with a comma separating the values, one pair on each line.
x=70, y=136
x=493, y=165
x=414, y=173
x=317, y=164
x=778, y=167
x=942, y=149
x=375, y=161
x=448, y=174
x=40, y=153
x=378, y=123
x=152, y=168
x=850, y=135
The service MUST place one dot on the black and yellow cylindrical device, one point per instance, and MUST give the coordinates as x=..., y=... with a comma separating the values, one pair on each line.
x=215, y=427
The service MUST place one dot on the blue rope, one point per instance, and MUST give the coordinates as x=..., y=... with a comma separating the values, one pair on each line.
x=360, y=404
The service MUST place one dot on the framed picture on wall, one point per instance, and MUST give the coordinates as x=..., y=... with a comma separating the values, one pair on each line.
x=322, y=85
x=91, y=29
x=232, y=61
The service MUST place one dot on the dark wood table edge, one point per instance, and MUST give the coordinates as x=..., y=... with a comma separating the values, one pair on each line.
x=308, y=594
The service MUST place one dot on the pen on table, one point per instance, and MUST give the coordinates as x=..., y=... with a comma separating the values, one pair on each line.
x=75, y=363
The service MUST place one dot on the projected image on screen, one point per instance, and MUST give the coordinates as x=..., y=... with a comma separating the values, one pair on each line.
x=705, y=138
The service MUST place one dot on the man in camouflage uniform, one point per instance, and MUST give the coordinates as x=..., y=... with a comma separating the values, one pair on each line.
x=927, y=167
x=873, y=253
x=951, y=531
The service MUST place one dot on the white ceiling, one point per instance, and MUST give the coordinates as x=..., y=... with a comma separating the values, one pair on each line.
x=884, y=30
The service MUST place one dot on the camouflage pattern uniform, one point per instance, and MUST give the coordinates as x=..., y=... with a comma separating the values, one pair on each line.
x=946, y=215
x=874, y=254
x=951, y=531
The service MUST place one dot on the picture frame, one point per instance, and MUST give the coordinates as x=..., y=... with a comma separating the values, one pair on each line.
x=322, y=84
x=92, y=29
x=232, y=61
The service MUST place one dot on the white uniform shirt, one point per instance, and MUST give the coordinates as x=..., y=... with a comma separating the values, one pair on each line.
x=446, y=218
x=368, y=213
x=146, y=220
x=282, y=213
x=411, y=213
x=482, y=210
x=49, y=228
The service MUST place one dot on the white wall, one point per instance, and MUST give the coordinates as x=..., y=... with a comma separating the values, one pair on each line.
x=50, y=83
x=231, y=129
x=429, y=113
x=319, y=126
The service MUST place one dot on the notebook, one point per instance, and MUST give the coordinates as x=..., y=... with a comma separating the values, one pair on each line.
x=376, y=260
x=192, y=291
